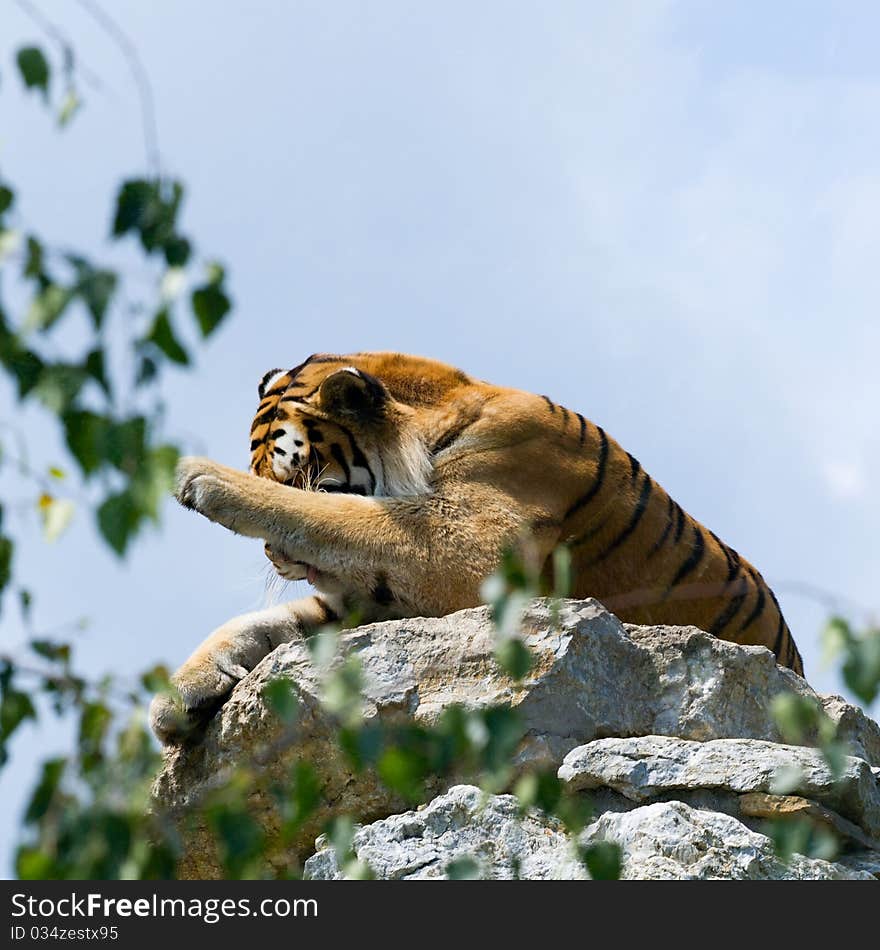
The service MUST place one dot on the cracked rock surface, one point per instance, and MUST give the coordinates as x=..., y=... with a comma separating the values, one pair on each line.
x=593, y=679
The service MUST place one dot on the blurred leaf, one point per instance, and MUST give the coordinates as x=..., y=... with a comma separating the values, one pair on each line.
x=32, y=864
x=55, y=514
x=603, y=860
x=96, y=287
x=86, y=434
x=49, y=650
x=34, y=68
x=279, y=695
x=34, y=262
x=463, y=869
x=403, y=769
x=154, y=479
x=41, y=798
x=94, y=723
x=861, y=668
x=163, y=336
x=514, y=657
x=46, y=307
x=70, y=105
x=210, y=305
x=118, y=520
x=149, y=208
x=95, y=368
x=7, y=196
x=177, y=251
x=156, y=679
x=6, y=551
x=15, y=707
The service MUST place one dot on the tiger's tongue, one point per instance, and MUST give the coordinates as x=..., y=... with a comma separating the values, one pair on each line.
x=311, y=574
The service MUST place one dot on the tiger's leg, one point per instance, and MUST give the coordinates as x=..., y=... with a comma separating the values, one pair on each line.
x=226, y=656
x=408, y=541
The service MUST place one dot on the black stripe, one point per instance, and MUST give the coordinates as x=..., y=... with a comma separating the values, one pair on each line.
x=278, y=433
x=278, y=451
x=662, y=539
x=381, y=592
x=549, y=403
x=760, y=603
x=635, y=518
x=600, y=476
x=452, y=434
x=679, y=524
x=358, y=459
x=692, y=560
x=261, y=389
x=777, y=643
x=255, y=444
x=564, y=416
x=590, y=533
x=726, y=615
x=635, y=466
x=263, y=418
x=339, y=455
x=583, y=423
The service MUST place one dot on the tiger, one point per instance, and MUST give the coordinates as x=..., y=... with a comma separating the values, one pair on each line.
x=394, y=485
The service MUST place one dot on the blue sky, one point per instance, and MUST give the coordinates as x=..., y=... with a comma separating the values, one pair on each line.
x=661, y=214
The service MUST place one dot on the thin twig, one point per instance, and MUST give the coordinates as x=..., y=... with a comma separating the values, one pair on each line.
x=141, y=79
x=55, y=33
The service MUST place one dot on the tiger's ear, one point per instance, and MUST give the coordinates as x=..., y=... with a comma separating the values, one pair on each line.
x=350, y=392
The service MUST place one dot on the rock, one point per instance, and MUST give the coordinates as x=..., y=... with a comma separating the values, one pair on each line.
x=762, y=805
x=671, y=840
x=658, y=841
x=643, y=768
x=461, y=825
x=592, y=677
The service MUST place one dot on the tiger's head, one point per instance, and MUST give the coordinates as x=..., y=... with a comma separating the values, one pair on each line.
x=359, y=425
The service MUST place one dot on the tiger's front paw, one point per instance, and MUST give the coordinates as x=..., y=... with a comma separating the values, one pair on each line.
x=201, y=484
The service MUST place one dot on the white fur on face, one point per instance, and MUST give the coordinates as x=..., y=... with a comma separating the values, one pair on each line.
x=290, y=450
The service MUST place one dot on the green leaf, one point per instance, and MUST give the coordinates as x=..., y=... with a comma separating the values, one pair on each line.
x=6, y=549
x=94, y=723
x=177, y=251
x=33, y=864
x=163, y=336
x=280, y=696
x=118, y=520
x=149, y=208
x=861, y=669
x=95, y=367
x=603, y=860
x=96, y=288
x=47, y=308
x=6, y=198
x=34, y=263
x=463, y=869
x=41, y=798
x=154, y=479
x=156, y=679
x=15, y=707
x=86, y=434
x=125, y=445
x=514, y=657
x=59, y=384
x=210, y=305
x=34, y=68
x=50, y=650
